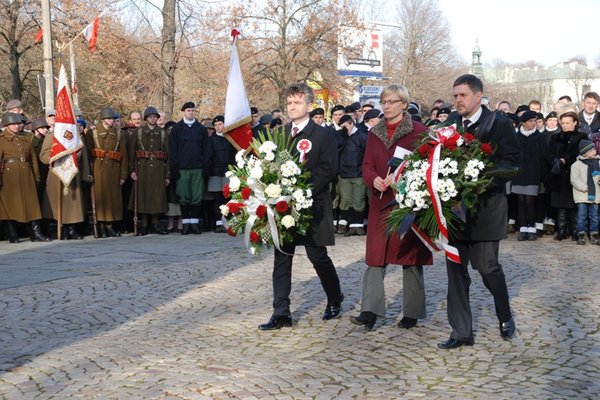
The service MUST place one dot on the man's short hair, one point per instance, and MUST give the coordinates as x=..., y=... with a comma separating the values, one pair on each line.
x=473, y=82
x=592, y=95
x=299, y=88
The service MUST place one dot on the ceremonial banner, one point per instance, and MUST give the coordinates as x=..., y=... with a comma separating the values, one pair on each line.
x=237, y=108
x=66, y=140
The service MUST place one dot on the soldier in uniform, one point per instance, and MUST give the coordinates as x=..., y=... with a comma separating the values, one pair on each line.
x=39, y=128
x=73, y=210
x=108, y=153
x=18, y=177
x=148, y=163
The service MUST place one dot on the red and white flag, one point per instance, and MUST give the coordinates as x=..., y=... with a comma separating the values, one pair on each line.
x=66, y=141
x=238, y=118
x=90, y=33
x=39, y=36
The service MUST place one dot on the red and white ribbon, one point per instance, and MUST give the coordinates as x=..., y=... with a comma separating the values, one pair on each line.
x=303, y=147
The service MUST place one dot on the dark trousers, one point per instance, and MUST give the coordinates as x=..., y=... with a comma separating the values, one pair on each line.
x=484, y=258
x=282, y=276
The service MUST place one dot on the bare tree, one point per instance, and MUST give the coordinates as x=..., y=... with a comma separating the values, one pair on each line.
x=168, y=57
x=17, y=30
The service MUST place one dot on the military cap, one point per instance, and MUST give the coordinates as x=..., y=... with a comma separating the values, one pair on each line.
x=253, y=110
x=344, y=119
x=373, y=113
x=11, y=118
x=337, y=108
x=265, y=119
x=522, y=107
x=189, y=104
x=107, y=113
x=218, y=118
x=39, y=123
x=552, y=114
x=351, y=108
x=444, y=110
x=539, y=116
x=527, y=115
x=14, y=103
x=317, y=111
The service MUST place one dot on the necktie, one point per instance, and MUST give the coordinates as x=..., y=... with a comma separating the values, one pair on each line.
x=294, y=131
x=466, y=123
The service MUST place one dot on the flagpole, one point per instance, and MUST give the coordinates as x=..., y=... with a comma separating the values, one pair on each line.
x=73, y=76
x=83, y=30
x=59, y=211
x=48, y=57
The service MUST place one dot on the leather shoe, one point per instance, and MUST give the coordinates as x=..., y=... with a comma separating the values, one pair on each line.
x=366, y=318
x=452, y=343
x=277, y=322
x=407, y=323
x=110, y=231
x=156, y=228
x=332, y=311
x=507, y=329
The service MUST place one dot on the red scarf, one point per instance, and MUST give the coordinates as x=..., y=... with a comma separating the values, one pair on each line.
x=391, y=128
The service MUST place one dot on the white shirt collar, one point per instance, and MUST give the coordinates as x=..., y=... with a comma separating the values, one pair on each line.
x=475, y=117
x=301, y=126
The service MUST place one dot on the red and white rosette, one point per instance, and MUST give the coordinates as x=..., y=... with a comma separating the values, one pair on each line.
x=303, y=147
x=449, y=136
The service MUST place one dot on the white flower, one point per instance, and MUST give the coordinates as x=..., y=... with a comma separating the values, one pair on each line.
x=269, y=156
x=256, y=172
x=234, y=183
x=290, y=168
x=288, y=221
x=267, y=147
x=224, y=210
x=286, y=182
x=239, y=158
x=229, y=174
x=273, y=190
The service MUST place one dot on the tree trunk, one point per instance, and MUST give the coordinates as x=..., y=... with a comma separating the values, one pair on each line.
x=168, y=57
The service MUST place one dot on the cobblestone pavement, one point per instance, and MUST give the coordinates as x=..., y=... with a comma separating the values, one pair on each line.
x=175, y=317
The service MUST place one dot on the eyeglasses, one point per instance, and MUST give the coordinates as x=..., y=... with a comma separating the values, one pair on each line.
x=384, y=102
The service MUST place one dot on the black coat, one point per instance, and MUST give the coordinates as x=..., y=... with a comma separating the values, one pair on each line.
x=563, y=145
x=592, y=130
x=222, y=154
x=321, y=161
x=189, y=147
x=533, y=160
x=489, y=221
x=352, y=153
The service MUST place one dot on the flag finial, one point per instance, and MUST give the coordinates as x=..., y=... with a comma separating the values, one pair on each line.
x=234, y=34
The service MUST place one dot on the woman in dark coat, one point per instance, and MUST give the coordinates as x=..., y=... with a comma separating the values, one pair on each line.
x=396, y=129
x=562, y=152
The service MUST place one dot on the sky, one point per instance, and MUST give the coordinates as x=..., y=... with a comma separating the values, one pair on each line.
x=523, y=30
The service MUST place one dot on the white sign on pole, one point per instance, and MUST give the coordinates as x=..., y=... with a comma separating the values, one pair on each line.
x=360, y=52
x=369, y=94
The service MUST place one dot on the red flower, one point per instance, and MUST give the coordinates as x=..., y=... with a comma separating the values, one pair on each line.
x=424, y=150
x=451, y=145
x=226, y=191
x=468, y=137
x=231, y=232
x=261, y=211
x=234, y=208
x=487, y=148
x=254, y=237
x=246, y=192
x=282, y=206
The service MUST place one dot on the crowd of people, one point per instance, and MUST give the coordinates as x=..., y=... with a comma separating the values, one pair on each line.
x=135, y=176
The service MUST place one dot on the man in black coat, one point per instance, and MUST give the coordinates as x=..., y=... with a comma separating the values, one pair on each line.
x=321, y=161
x=589, y=117
x=479, y=242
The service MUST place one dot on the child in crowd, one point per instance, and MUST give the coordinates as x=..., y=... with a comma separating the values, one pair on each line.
x=585, y=178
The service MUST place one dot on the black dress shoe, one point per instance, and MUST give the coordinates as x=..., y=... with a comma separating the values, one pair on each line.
x=507, y=329
x=156, y=228
x=186, y=229
x=332, y=311
x=366, y=318
x=277, y=322
x=110, y=231
x=73, y=234
x=407, y=323
x=196, y=229
x=452, y=343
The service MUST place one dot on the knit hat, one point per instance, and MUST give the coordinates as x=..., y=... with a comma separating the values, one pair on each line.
x=585, y=146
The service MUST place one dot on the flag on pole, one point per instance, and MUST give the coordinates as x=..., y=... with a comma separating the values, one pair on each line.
x=39, y=36
x=90, y=33
x=237, y=108
x=66, y=140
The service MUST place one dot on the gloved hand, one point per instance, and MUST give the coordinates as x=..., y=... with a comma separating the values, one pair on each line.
x=556, y=166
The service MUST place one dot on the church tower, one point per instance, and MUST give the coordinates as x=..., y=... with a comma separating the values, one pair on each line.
x=476, y=65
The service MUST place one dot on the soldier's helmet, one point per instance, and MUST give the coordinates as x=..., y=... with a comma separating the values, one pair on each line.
x=150, y=111
x=107, y=113
x=11, y=118
x=39, y=123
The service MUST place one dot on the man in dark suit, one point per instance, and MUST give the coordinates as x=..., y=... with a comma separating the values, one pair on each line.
x=479, y=242
x=321, y=161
